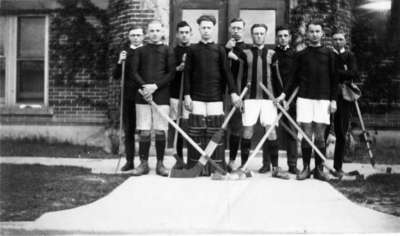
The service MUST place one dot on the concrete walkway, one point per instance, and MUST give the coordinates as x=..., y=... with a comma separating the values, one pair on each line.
x=259, y=205
x=108, y=166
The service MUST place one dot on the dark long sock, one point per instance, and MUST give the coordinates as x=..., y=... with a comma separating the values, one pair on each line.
x=144, y=147
x=306, y=153
x=318, y=160
x=245, y=150
x=233, y=146
x=160, y=146
x=273, y=150
x=179, y=146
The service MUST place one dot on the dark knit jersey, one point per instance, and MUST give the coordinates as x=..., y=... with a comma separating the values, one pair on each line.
x=130, y=87
x=255, y=67
x=346, y=58
x=314, y=71
x=238, y=66
x=154, y=64
x=176, y=82
x=284, y=60
x=207, y=73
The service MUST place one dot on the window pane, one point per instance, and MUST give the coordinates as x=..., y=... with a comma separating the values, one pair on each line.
x=2, y=77
x=190, y=16
x=259, y=16
x=2, y=34
x=31, y=34
x=30, y=81
x=2, y=58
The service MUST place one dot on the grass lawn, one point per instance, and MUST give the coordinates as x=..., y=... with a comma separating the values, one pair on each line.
x=28, y=191
x=42, y=148
x=380, y=192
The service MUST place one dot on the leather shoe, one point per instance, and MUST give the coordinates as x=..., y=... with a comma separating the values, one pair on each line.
x=161, y=170
x=304, y=174
x=142, y=169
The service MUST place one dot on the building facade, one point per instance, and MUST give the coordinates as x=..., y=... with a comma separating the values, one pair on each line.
x=56, y=56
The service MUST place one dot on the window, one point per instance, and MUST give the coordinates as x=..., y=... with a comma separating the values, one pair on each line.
x=30, y=60
x=23, y=60
x=2, y=60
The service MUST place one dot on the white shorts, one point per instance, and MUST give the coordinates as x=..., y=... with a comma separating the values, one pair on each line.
x=173, y=111
x=147, y=117
x=263, y=108
x=311, y=110
x=207, y=108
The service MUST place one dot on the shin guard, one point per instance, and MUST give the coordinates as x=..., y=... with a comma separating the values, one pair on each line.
x=214, y=124
x=196, y=130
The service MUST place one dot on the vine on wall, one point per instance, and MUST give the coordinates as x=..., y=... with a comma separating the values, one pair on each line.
x=79, y=42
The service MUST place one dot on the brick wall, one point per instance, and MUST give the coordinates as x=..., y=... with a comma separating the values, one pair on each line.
x=79, y=98
x=123, y=14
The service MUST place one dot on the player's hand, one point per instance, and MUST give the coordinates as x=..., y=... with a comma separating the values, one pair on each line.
x=122, y=57
x=188, y=103
x=332, y=107
x=180, y=67
x=231, y=43
x=233, y=56
x=146, y=96
x=236, y=101
x=281, y=97
x=150, y=88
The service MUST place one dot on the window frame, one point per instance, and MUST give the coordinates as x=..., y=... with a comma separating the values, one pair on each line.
x=11, y=62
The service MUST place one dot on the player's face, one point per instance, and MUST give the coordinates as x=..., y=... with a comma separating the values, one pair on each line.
x=206, y=29
x=184, y=34
x=314, y=33
x=155, y=32
x=258, y=35
x=283, y=37
x=339, y=41
x=236, y=29
x=136, y=37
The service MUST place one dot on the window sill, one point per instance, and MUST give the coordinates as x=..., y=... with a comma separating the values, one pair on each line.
x=26, y=110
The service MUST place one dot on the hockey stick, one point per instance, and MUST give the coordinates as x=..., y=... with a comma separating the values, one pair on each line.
x=179, y=160
x=196, y=170
x=268, y=132
x=211, y=146
x=365, y=133
x=322, y=156
x=121, y=109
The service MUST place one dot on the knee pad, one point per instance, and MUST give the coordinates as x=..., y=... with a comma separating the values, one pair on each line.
x=160, y=136
x=197, y=125
x=214, y=124
x=144, y=138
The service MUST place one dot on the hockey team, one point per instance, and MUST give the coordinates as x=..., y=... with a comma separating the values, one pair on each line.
x=192, y=82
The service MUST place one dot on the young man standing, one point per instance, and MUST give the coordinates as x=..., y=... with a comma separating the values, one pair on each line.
x=315, y=74
x=183, y=34
x=153, y=68
x=257, y=105
x=282, y=64
x=235, y=47
x=206, y=76
x=135, y=35
x=347, y=71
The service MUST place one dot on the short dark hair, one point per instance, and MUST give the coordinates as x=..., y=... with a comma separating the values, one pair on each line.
x=182, y=24
x=258, y=25
x=339, y=31
x=136, y=27
x=206, y=18
x=237, y=19
x=315, y=22
x=283, y=27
